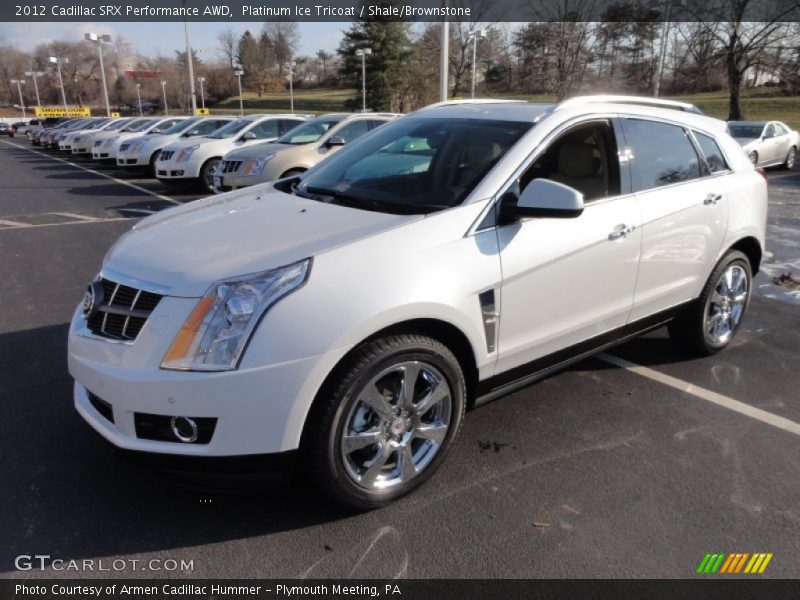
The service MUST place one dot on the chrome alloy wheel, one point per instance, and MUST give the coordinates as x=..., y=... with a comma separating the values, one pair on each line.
x=209, y=171
x=726, y=305
x=791, y=158
x=397, y=425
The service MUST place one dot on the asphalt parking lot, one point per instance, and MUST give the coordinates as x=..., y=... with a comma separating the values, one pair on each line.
x=602, y=470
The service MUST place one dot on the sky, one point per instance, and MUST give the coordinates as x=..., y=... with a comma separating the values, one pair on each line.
x=153, y=39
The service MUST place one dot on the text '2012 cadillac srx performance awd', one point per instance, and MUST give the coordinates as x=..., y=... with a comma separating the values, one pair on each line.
x=348, y=316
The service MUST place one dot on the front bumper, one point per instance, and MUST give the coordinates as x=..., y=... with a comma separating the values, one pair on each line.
x=172, y=169
x=125, y=159
x=255, y=410
x=234, y=181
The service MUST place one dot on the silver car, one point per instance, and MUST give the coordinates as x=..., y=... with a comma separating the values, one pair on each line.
x=767, y=143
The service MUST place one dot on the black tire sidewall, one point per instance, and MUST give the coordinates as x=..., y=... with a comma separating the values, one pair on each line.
x=203, y=173
x=346, y=488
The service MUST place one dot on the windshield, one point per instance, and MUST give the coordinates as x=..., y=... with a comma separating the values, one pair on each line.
x=179, y=126
x=308, y=132
x=97, y=124
x=137, y=125
x=748, y=130
x=117, y=124
x=230, y=129
x=413, y=166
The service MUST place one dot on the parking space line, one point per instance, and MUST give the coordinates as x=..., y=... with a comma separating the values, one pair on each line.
x=75, y=216
x=705, y=394
x=6, y=223
x=82, y=168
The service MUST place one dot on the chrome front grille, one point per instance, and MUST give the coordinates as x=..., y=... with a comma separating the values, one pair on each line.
x=230, y=166
x=121, y=312
x=166, y=154
x=124, y=146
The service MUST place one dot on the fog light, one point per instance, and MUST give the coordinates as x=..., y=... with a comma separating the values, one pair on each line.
x=184, y=428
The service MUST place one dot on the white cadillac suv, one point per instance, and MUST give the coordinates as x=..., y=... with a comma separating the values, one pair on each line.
x=348, y=316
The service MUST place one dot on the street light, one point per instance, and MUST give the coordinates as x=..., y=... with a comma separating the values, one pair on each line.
x=363, y=53
x=202, y=93
x=474, y=35
x=239, y=71
x=33, y=75
x=19, y=83
x=99, y=39
x=164, y=92
x=139, y=96
x=290, y=65
x=58, y=60
x=189, y=61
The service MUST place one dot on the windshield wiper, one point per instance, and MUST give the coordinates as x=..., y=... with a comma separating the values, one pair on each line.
x=353, y=201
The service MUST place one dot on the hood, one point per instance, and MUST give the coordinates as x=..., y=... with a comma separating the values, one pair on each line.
x=258, y=150
x=187, y=248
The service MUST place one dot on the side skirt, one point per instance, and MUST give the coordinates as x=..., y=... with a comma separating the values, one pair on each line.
x=523, y=375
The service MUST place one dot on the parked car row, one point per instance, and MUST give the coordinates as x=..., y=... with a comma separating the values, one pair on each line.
x=219, y=152
x=343, y=318
x=767, y=143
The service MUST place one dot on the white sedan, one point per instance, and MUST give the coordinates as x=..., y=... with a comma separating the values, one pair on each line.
x=107, y=149
x=184, y=162
x=767, y=143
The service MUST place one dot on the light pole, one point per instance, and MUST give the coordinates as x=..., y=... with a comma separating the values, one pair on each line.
x=239, y=71
x=57, y=60
x=363, y=53
x=164, y=93
x=189, y=61
x=33, y=75
x=139, y=97
x=444, y=58
x=474, y=35
x=99, y=39
x=290, y=65
x=202, y=93
x=19, y=83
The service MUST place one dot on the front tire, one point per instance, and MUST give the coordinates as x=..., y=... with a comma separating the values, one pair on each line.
x=207, y=175
x=712, y=320
x=385, y=425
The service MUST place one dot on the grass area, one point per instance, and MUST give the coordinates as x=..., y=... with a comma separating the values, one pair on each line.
x=305, y=101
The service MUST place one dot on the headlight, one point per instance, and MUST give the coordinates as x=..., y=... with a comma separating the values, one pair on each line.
x=254, y=166
x=185, y=153
x=215, y=334
x=110, y=141
x=136, y=146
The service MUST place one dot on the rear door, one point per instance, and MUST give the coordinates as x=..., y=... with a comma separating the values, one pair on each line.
x=684, y=214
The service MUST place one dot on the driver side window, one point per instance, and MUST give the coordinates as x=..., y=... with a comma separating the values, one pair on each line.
x=583, y=158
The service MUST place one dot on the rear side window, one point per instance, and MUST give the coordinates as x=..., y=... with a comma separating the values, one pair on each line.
x=714, y=158
x=662, y=154
x=353, y=130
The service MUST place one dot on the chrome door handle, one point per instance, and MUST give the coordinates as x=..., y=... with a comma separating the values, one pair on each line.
x=623, y=231
x=712, y=199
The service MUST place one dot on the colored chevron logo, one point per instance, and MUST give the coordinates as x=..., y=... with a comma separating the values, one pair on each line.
x=734, y=563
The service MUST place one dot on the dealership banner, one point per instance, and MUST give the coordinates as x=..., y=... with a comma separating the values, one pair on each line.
x=403, y=589
x=396, y=10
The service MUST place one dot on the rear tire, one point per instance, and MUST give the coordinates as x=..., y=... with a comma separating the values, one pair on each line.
x=386, y=423
x=791, y=158
x=711, y=322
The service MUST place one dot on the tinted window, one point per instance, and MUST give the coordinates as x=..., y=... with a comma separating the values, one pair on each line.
x=662, y=154
x=780, y=129
x=714, y=158
x=289, y=124
x=745, y=130
x=310, y=131
x=353, y=130
x=769, y=131
x=267, y=129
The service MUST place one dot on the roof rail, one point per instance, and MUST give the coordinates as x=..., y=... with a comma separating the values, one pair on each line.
x=638, y=100
x=472, y=101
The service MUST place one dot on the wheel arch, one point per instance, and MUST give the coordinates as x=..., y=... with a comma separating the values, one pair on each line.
x=751, y=248
x=446, y=333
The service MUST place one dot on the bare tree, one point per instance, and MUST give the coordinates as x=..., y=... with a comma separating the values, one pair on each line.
x=743, y=40
x=228, y=44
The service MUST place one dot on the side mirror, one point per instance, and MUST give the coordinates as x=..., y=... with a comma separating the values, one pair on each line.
x=248, y=136
x=191, y=133
x=335, y=140
x=155, y=131
x=543, y=198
